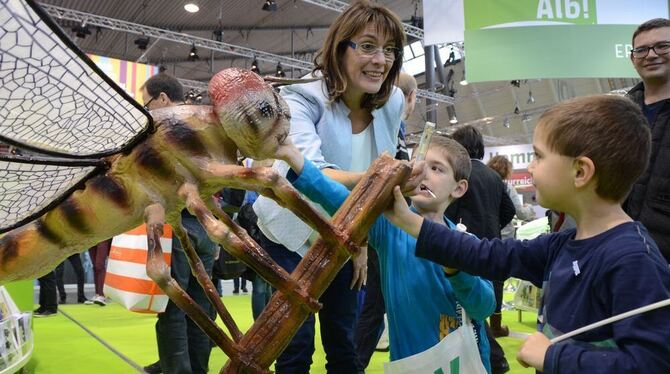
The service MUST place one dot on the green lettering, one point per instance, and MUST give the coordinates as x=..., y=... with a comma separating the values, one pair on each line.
x=455, y=366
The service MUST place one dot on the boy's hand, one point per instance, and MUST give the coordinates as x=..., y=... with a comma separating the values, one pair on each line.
x=533, y=350
x=411, y=187
x=289, y=153
x=401, y=216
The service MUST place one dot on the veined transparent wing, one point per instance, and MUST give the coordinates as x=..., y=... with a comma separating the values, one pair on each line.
x=59, y=110
x=53, y=99
x=31, y=185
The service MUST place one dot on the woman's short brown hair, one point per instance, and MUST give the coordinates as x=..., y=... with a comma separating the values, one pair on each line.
x=349, y=23
x=501, y=165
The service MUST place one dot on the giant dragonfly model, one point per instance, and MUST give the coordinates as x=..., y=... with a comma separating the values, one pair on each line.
x=96, y=164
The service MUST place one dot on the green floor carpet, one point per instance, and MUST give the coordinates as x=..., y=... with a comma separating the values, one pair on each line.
x=61, y=346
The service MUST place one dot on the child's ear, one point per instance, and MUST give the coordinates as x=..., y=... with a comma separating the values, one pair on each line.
x=584, y=170
x=460, y=190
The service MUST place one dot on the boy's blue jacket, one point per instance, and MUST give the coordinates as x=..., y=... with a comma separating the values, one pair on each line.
x=421, y=301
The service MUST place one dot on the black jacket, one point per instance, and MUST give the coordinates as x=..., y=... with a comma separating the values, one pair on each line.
x=649, y=200
x=485, y=208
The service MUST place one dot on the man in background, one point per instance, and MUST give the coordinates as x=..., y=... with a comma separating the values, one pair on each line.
x=182, y=346
x=649, y=199
x=484, y=209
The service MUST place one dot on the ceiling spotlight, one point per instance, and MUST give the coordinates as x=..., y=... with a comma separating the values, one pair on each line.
x=142, y=42
x=254, y=66
x=451, y=112
x=506, y=123
x=191, y=8
x=193, y=54
x=280, y=71
x=453, y=120
x=531, y=98
x=270, y=5
x=193, y=97
x=81, y=30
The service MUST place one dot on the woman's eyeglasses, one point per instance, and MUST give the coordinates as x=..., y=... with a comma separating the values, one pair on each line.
x=368, y=49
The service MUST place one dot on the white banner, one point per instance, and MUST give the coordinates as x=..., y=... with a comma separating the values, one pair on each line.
x=443, y=21
x=521, y=155
x=629, y=12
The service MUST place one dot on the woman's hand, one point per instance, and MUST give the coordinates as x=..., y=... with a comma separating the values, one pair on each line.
x=291, y=154
x=360, y=276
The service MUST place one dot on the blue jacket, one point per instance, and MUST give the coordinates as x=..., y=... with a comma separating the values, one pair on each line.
x=419, y=297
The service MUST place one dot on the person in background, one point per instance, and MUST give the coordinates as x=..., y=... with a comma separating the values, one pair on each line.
x=484, y=209
x=503, y=166
x=236, y=285
x=524, y=212
x=341, y=122
x=182, y=346
x=261, y=291
x=649, y=198
x=47, y=298
x=75, y=261
x=370, y=333
x=230, y=200
x=99, y=254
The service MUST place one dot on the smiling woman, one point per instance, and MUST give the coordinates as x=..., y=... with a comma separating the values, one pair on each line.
x=341, y=123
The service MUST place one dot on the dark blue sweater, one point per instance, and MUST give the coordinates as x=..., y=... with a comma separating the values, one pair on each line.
x=584, y=281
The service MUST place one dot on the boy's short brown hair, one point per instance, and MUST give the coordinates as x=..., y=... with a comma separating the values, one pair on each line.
x=406, y=83
x=456, y=156
x=610, y=130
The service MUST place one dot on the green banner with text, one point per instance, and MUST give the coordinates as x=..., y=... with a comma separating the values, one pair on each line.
x=531, y=39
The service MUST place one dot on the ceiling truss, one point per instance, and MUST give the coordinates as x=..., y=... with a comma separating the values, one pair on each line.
x=237, y=50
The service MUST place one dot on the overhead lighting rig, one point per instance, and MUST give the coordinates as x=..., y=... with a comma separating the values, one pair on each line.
x=270, y=6
x=82, y=30
x=280, y=71
x=193, y=54
x=142, y=42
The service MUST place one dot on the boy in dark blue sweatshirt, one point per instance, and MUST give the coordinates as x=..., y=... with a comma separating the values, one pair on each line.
x=588, y=153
